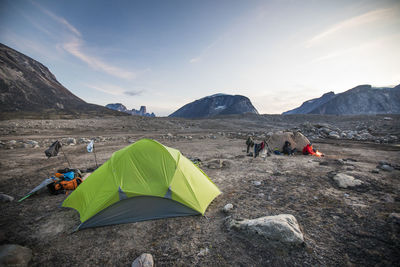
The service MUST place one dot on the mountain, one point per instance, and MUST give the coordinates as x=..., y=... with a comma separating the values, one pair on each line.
x=218, y=104
x=122, y=108
x=363, y=99
x=312, y=104
x=28, y=87
x=118, y=107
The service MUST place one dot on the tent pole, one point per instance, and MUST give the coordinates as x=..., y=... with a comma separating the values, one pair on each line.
x=65, y=156
x=95, y=159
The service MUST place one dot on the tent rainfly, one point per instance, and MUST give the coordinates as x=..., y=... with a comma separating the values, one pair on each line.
x=143, y=181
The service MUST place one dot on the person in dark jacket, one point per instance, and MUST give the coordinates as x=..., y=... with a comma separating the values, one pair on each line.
x=249, y=143
x=287, y=149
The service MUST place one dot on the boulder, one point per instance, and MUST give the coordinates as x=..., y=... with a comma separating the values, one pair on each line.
x=32, y=143
x=203, y=252
x=6, y=198
x=334, y=135
x=71, y=141
x=386, y=167
x=281, y=229
x=14, y=255
x=144, y=260
x=228, y=207
x=345, y=181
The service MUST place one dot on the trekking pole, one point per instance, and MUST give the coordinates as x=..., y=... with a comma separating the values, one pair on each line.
x=65, y=156
x=95, y=159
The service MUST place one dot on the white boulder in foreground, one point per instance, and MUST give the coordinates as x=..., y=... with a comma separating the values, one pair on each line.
x=281, y=228
x=144, y=260
x=344, y=180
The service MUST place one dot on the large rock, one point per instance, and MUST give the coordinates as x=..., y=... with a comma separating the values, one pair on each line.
x=281, y=229
x=15, y=255
x=144, y=260
x=296, y=139
x=345, y=180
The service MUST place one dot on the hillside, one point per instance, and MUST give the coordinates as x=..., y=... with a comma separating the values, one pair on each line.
x=29, y=89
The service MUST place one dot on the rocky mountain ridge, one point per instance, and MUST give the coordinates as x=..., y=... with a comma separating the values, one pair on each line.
x=122, y=108
x=218, y=104
x=362, y=99
x=28, y=87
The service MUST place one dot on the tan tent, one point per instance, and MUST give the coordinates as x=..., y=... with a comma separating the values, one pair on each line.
x=296, y=139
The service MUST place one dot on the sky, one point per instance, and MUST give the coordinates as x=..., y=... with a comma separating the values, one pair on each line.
x=164, y=54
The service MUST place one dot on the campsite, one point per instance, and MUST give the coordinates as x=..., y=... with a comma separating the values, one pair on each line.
x=357, y=225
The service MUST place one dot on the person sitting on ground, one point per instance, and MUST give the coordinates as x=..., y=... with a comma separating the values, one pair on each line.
x=249, y=143
x=308, y=150
x=287, y=149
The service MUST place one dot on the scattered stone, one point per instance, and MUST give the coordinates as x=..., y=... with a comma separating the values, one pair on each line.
x=387, y=168
x=228, y=207
x=395, y=217
x=83, y=140
x=339, y=161
x=388, y=198
x=256, y=183
x=334, y=135
x=203, y=252
x=71, y=141
x=282, y=229
x=375, y=171
x=144, y=260
x=15, y=255
x=32, y=143
x=6, y=198
x=344, y=180
x=218, y=164
x=387, y=118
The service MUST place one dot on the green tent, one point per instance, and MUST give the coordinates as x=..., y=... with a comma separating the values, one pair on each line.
x=145, y=180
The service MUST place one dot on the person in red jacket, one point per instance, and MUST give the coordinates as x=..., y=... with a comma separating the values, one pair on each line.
x=308, y=150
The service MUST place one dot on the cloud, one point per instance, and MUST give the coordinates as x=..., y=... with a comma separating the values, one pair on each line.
x=369, y=17
x=59, y=19
x=133, y=93
x=204, y=52
x=114, y=90
x=195, y=59
x=74, y=46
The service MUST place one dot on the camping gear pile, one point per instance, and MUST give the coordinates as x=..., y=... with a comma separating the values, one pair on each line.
x=145, y=180
x=287, y=143
x=63, y=181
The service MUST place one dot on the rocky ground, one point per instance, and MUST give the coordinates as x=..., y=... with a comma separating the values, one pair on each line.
x=346, y=204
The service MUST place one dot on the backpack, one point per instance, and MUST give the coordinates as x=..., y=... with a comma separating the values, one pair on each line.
x=58, y=187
